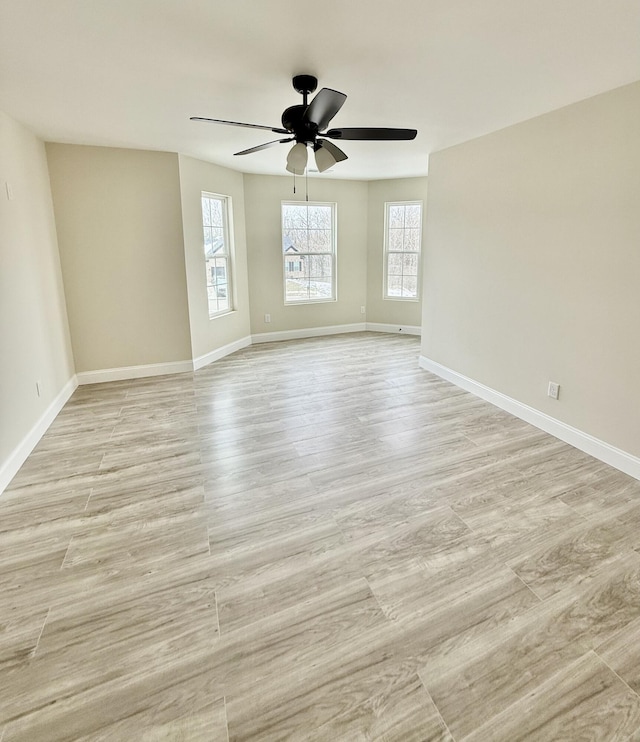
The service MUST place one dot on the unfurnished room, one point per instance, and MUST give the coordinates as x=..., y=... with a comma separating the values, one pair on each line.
x=319, y=370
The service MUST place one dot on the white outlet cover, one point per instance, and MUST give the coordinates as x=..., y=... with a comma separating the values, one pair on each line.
x=553, y=390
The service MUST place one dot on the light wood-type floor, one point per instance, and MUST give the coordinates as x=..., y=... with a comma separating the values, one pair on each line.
x=315, y=540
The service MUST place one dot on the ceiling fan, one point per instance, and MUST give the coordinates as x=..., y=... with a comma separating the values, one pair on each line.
x=305, y=124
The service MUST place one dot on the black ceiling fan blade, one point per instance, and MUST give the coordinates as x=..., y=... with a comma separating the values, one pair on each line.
x=262, y=146
x=371, y=134
x=337, y=154
x=238, y=123
x=324, y=107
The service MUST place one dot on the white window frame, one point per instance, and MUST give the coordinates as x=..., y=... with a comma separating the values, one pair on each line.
x=298, y=256
x=227, y=255
x=387, y=252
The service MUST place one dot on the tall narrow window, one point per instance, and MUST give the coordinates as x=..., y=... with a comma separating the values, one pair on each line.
x=309, y=252
x=402, y=242
x=217, y=252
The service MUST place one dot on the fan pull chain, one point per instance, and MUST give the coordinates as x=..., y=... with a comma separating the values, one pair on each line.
x=294, y=183
x=306, y=183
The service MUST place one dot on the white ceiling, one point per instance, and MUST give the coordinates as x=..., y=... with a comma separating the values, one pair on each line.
x=130, y=72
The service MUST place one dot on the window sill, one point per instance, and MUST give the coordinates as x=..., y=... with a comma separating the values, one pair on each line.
x=400, y=298
x=222, y=314
x=308, y=301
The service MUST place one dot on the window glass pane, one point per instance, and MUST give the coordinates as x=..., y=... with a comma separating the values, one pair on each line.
x=395, y=285
x=319, y=217
x=320, y=288
x=410, y=287
x=394, y=265
x=206, y=212
x=299, y=268
x=412, y=240
x=319, y=240
x=221, y=241
x=222, y=295
x=216, y=212
x=412, y=215
x=303, y=265
x=213, y=241
x=295, y=240
x=294, y=216
x=396, y=239
x=410, y=264
x=220, y=270
x=208, y=240
x=320, y=266
x=396, y=216
x=297, y=289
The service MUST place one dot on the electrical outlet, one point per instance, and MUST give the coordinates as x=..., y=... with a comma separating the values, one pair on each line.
x=554, y=390
x=267, y=318
x=362, y=310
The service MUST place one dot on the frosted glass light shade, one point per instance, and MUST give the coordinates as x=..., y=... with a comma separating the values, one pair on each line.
x=297, y=158
x=324, y=159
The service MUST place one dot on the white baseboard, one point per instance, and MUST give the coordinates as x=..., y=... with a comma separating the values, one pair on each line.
x=133, y=372
x=307, y=332
x=595, y=447
x=16, y=459
x=400, y=329
x=225, y=350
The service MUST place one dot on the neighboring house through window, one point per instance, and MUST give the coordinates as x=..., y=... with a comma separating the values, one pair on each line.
x=402, y=244
x=309, y=251
x=217, y=252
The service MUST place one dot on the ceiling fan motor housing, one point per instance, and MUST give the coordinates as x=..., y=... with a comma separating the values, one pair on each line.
x=293, y=121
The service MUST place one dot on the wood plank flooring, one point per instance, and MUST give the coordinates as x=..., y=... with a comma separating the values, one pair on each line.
x=315, y=540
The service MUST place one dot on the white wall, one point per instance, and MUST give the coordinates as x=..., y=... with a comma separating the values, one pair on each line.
x=263, y=197
x=209, y=335
x=380, y=310
x=533, y=264
x=34, y=333
x=119, y=221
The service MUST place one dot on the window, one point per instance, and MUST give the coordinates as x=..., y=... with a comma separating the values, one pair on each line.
x=217, y=252
x=402, y=240
x=309, y=252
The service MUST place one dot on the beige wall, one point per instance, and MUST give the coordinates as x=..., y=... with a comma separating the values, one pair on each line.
x=533, y=263
x=389, y=311
x=207, y=334
x=34, y=334
x=119, y=227
x=263, y=196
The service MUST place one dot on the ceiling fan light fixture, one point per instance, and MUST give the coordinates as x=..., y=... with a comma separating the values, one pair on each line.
x=324, y=158
x=297, y=158
x=306, y=124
